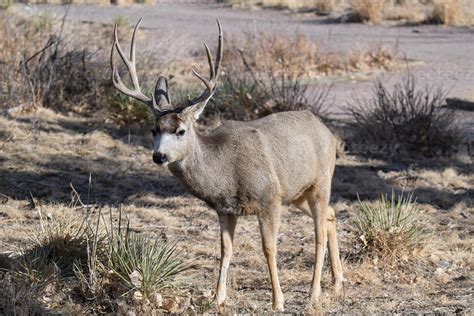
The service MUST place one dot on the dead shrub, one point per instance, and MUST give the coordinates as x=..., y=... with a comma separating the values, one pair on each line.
x=42, y=65
x=268, y=73
x=324, y=6
x=407, y=117
x=391, y=228
x=368, y=10
x=448, y=12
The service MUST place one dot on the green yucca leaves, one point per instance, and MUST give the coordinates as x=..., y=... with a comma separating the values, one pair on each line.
x=391, y=225
x=142, y=263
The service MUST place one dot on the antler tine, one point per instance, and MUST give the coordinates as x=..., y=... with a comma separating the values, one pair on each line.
x=209, y=60
x=210, y=84
x=219, y=50
x=136, y=92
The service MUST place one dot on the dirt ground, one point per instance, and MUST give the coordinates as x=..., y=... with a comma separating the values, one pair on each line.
x=44, y=154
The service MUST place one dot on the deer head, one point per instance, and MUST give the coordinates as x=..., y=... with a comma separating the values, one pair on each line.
x=174, y=131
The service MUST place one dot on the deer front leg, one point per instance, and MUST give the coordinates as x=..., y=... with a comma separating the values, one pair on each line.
x=227, y=224
x=269, y=224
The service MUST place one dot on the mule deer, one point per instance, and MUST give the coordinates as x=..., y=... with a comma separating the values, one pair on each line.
x=245, y=168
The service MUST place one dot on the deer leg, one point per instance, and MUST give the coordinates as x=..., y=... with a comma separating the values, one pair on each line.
x=227, y=224
x=318, y=204
x=333, y=247
x=269, y=224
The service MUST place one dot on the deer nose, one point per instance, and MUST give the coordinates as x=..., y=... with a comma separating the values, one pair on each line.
x=159, y=158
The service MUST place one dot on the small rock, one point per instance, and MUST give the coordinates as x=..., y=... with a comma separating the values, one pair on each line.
x=136, y=278
x=137, y=295
x=157, y=299
x=207, y=293
x=169, y=305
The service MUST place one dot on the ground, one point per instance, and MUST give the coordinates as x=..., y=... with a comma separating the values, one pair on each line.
x=43, y=155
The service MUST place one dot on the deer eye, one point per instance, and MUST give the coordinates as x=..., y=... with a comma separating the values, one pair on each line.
x=154, y=132
x=180, y=132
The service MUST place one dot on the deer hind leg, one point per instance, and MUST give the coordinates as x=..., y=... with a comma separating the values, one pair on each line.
x=269, y=223
x=318, y=202
x=227, y=224
x=333, y=246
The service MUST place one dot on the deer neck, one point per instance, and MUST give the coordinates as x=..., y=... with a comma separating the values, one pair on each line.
x=201, y=171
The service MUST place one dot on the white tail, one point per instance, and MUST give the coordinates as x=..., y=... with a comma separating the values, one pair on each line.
x=246, y=168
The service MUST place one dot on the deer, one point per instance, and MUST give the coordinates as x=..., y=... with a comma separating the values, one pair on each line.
x=245, y=168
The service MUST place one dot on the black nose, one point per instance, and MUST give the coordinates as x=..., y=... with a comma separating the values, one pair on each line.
x=159, y=158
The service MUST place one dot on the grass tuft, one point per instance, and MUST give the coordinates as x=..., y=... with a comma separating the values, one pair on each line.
x=368, y=10
x=447, y=12
x=55, y=247
x=391, y=227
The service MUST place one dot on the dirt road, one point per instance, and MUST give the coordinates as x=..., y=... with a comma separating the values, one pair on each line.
x=447, y=53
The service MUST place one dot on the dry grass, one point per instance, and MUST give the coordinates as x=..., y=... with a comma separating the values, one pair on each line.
x=67, y=149
x=448, y=12
x=324, y=6
x=43, y=66
x=302, y=55
x=368, y=10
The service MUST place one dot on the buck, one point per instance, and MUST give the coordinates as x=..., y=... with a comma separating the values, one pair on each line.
x=245, y=168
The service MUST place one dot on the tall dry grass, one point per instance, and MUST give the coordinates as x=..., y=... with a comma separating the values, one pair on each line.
x=368, y=10
x=46, y=61
x=449, y=12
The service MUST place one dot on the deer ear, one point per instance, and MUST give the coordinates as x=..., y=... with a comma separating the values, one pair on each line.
x=193, y=112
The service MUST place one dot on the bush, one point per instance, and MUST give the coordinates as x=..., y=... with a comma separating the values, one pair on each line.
x=368, y=10
x=391, y=227
x=448, y=12
x=42, y=66
x=269, y=76
x=407, y=118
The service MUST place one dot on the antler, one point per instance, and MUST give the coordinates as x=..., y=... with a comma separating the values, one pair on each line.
x=136, y=92
x=210, y=83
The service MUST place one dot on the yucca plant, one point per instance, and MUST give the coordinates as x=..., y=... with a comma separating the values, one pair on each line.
x=391, y=226
x=143, y=264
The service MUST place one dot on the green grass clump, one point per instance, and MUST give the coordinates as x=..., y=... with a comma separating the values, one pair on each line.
x=144, y=264
x=391, y=227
